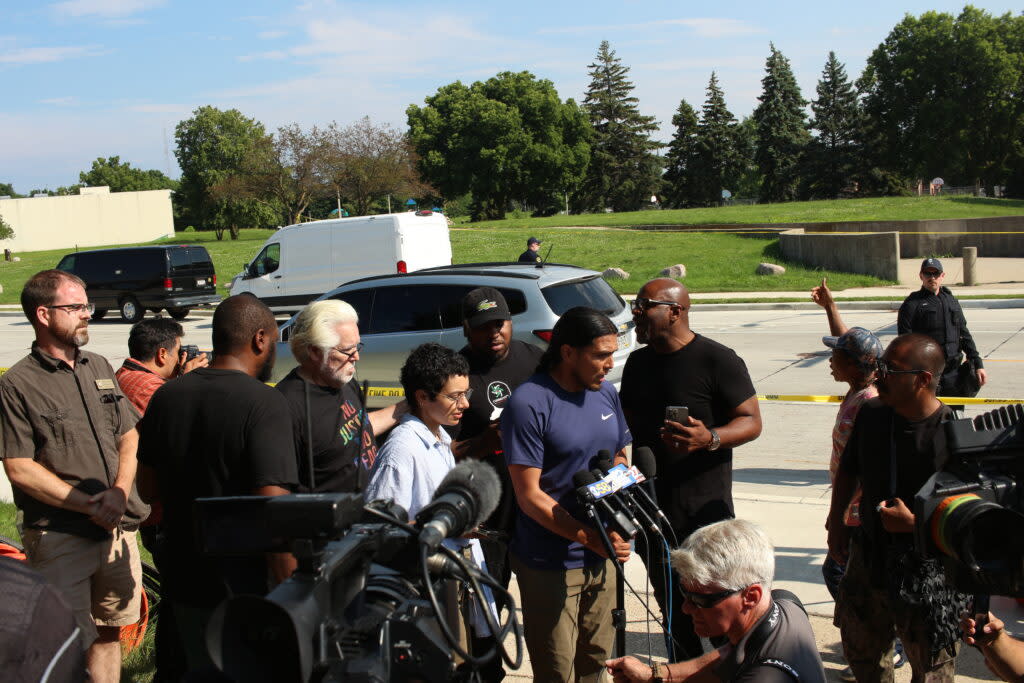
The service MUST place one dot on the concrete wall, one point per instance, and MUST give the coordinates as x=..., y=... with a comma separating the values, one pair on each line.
x=97, y=218
x=875, y=254
x=1004, y=238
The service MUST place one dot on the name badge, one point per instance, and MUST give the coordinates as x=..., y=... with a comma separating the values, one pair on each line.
x=104, y=384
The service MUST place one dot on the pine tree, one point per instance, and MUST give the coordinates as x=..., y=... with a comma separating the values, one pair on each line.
x=715, y=162
x=832, y=155
x=781, y=130
x=623, y=170
x=678, y=176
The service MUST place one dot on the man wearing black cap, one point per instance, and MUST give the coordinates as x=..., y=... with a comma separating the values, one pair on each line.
x=532, y=253
x=497, y=365
x=934, y=311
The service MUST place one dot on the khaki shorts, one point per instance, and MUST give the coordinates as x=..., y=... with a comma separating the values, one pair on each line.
x=101, y=580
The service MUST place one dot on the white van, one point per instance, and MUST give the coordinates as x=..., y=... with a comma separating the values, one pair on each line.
x=300, y=262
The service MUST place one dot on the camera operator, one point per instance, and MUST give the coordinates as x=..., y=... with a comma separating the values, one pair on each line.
x=1003, y=653
x=217, y=431
x=417, y=456
x=729, y=567
x=897, y=443
x=155, y=356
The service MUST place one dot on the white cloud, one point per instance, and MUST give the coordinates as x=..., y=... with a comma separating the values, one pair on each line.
x=44, y=55
x=66, y=101
x=706, y=27
x=271, y=35
x=105, y=8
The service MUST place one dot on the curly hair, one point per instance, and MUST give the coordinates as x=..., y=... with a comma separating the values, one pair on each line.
x=428, y=367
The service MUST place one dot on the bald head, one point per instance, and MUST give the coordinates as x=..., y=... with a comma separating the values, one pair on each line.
x=237, y=320
x=667, y=289
x=920, y=352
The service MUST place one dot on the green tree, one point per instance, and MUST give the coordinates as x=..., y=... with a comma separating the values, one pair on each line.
x=623, y=168
x=365, y=162
x=122, y=177
x=7, y=190
x=716, y=163
x=678, y=175
x=6, y=231
x=781, y=130
x=945, y=95
x=507, y=138
x=211, y=146
x=832, y=154
x=748, y=176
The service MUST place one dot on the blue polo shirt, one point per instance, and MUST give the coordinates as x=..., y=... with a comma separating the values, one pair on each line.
x=558, y=432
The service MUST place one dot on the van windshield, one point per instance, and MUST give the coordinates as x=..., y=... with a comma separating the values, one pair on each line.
x=593, y=292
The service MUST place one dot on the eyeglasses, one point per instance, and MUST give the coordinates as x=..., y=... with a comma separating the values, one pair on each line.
x=884, y=370
x=708, y=600
x=931, y=273
x=349, y=352
x=642, y=303
x=458, y=396
x=76, y=308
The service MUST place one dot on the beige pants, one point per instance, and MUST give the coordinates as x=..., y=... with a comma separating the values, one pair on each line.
x=567, y=619
x=101, y=580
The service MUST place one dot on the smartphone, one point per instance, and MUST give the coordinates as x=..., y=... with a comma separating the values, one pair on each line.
x=680, y=414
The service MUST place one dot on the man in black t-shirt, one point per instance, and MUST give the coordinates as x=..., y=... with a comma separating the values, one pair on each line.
x=325, y=404
x=899, y=435
x=694, y=460
x=217, y=431
x=497, y=365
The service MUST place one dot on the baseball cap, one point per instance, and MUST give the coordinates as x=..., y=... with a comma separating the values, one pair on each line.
x=861, y=344
x=532, y=240
x=931, y=263
x=482, y=305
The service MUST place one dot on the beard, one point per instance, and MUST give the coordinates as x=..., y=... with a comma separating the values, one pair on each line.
x=268, y=366
x=75, y=336
x=337, y=379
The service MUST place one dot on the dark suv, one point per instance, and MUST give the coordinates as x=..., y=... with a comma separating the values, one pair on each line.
x=136, y=279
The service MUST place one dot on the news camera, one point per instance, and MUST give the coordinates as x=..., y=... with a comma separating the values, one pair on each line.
x=970, y=514
x=363, y=604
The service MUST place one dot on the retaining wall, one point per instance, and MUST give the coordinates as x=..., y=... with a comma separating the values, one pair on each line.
x=875, y=254
x=947, y=237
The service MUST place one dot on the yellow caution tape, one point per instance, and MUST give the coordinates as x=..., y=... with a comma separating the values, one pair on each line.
x=954, y=400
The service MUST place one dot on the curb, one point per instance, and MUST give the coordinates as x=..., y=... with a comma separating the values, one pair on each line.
x=894, y=305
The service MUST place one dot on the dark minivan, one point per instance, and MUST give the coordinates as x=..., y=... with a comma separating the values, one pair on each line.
x=136, y=279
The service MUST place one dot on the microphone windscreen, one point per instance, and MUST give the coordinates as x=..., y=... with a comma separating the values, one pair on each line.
x=582, y=478
x=643, y=458
x=604, y=460
x=479, y=480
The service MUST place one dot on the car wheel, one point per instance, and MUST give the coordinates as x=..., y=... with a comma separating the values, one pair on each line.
x=99, y=313
x=131, y=312
x=179, y=313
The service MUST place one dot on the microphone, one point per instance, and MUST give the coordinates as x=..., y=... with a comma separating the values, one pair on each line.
x=615, y=519
x=446, y=568
x=620, y=500
x=466, y=496
x=643, y=458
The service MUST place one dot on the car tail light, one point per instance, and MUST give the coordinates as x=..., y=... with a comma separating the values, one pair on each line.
x=168, y=285
x=214, y=279
x=544, y=334
x=402, y=268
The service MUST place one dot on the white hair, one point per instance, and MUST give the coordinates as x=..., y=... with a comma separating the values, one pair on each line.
x=729, y=555
x=316, y=325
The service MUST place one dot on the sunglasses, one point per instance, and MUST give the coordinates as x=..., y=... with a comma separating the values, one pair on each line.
x=931, y=273
x=884, y=370
x=708, y=600
x=642, y=303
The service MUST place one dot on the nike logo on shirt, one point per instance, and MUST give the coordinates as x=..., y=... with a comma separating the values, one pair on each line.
x=605, y=417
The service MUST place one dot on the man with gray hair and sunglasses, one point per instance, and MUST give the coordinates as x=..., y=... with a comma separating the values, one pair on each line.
x=329, y=420
x=727, y=570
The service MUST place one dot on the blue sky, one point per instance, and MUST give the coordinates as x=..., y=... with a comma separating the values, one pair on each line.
x=90, y=78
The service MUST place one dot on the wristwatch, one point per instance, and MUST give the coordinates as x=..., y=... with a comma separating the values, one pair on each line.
x=656, y=673
x=716, y=441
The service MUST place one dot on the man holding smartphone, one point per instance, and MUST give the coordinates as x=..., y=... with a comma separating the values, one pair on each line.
x=680, y=369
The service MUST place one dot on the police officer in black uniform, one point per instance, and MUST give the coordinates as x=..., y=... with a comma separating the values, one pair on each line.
x=532, y=253
x=934, y=311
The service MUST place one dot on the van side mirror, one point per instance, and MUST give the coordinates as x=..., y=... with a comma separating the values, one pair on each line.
x=250, y=270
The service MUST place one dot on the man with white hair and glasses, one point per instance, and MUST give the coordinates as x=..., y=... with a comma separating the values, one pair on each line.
x=329, y=421
x=727, y=570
